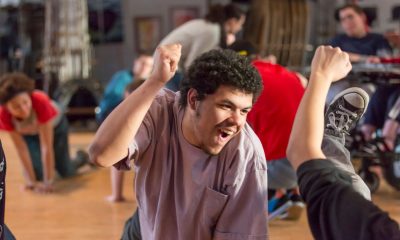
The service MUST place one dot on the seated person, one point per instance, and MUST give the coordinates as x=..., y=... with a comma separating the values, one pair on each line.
x=200, y=170
x=334, y=209
x=114, y=92
x=39, y=130
x=357, y=41
x=363, y=46
x=117, y=176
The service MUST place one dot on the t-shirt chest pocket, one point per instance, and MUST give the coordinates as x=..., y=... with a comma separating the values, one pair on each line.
x=213, y=204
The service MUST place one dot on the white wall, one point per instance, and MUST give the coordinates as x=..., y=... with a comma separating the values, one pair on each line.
x=384, y=21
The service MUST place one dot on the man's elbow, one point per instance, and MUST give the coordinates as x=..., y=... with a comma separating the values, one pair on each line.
x=96, y=156
x=290, y=151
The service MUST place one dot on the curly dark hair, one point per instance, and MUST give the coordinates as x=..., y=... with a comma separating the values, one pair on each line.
x=12, y=84
x=220, y=67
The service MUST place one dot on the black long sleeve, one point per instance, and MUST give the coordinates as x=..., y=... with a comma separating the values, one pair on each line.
x=2, y=191
x=335, y=210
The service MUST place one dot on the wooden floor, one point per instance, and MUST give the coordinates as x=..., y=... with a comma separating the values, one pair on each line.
x=78, y=209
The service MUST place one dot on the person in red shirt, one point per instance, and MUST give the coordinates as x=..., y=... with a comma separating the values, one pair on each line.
x=272, y=118
x=39, y=131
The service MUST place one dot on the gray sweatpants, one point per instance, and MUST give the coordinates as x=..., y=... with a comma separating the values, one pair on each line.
x=282, y=175
x=334, y=150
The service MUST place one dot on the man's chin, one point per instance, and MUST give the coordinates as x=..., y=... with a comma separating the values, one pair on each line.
x=213, y=151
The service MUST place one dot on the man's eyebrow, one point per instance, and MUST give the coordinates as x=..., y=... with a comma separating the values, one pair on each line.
x=228, y=102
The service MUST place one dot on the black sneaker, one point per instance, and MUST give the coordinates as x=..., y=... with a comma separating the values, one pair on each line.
x=345, y=110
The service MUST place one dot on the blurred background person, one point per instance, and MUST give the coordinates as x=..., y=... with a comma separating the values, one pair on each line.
x=216, y=29
x=114, y=91
x=39, y=130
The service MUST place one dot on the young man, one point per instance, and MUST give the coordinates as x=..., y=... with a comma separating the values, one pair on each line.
x=335, y=210
x=357, y=41
x=201, y=170
x=363, y=46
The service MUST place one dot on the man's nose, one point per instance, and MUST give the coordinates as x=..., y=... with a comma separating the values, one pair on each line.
x=237, y=118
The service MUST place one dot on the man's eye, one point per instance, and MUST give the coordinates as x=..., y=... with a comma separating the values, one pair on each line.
x=226, y=107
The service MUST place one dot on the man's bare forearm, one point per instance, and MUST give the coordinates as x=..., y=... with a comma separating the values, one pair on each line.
x=328, y=65
x=113, y=137
x=308, y=127
x=117, y=131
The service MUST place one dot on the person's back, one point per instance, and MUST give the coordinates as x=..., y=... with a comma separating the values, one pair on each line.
x=201, y=35
x=196, y=36
x=273, y=114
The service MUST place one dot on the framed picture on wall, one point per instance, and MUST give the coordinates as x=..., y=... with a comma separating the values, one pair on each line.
x=180, y=15
x=147, y=32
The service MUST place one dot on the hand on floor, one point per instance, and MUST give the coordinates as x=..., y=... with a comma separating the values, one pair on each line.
x=43, y=188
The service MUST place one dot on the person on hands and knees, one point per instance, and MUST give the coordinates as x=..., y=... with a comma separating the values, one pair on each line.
x=200, y=170
x=335, y=209
x=39, y=130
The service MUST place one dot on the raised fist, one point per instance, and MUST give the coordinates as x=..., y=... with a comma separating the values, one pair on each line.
x=331, y=63
x=166, y=60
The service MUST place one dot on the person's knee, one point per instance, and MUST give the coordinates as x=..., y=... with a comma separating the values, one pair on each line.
x=362, y=188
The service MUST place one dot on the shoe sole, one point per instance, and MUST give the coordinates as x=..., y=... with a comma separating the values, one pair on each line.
x=357, y=90
x=280, y=210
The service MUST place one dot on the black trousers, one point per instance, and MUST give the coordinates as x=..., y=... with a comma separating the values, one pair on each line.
x=7, y=234
x=132, y=228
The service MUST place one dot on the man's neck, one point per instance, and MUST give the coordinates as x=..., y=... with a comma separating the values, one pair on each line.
x=187, y=128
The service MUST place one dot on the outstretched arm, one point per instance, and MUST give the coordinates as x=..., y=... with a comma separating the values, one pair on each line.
x=23, y=153
x=328, y=65
x=334, y=209
x=114, y=135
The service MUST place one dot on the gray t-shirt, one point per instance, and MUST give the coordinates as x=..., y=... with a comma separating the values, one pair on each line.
x=185, y=193
x=196, y=37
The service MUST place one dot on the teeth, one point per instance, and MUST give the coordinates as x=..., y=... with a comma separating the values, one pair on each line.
x=227, y=132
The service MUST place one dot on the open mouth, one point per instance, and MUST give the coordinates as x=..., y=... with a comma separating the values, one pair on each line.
x=224, y=134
